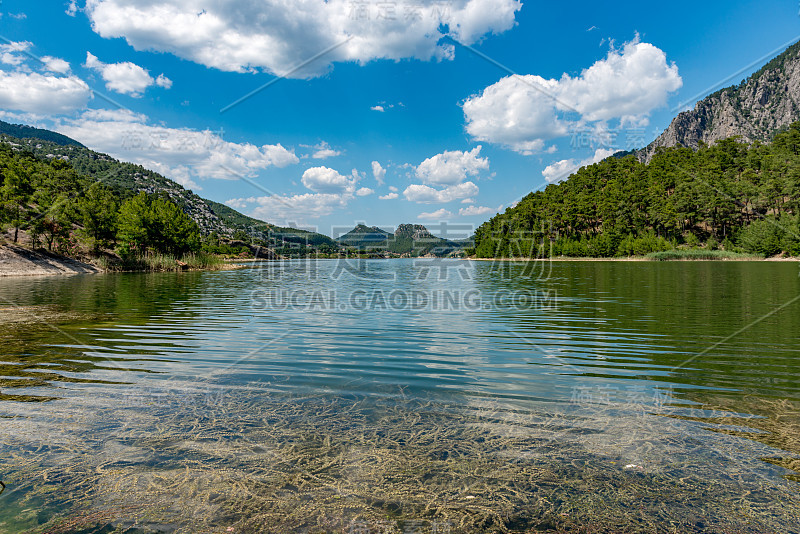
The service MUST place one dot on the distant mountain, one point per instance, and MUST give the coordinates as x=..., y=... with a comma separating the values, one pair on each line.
x=411, y=239
x=365, y=237
x=21, y=131
x=755, y=110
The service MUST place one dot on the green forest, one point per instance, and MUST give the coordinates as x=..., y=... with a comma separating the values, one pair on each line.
x=66, y=212
x=730, y=196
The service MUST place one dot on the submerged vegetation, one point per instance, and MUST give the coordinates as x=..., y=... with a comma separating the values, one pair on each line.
x=728, y=196
x=323, y=465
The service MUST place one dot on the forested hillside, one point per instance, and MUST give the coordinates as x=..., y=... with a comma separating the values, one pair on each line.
x=123, y=180
x=730, y=195
x=61, y=209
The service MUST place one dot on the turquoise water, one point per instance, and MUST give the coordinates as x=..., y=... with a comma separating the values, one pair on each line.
x=404, y=396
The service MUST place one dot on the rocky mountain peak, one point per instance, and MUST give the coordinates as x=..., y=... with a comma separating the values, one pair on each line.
x=765, y=103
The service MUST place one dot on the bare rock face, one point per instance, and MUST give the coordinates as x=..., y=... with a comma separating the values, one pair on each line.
x=761, y=105
x=413, y=231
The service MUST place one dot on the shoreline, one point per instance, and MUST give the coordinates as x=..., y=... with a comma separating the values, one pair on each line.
x=16, y=260
x=19, y=261
x=642, y=259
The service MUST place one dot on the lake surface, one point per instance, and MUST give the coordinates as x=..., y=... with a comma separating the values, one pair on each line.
x=404, y=396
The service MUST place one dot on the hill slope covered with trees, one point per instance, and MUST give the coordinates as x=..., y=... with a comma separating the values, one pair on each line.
x=124, y=180
x=734, y=195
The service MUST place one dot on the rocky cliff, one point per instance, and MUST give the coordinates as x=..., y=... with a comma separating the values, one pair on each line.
x=763, y=104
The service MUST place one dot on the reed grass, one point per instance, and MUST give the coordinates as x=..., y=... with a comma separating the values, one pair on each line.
x=700, y=255
x=157, y=262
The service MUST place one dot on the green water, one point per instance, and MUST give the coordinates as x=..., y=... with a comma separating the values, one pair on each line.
x=404, y=396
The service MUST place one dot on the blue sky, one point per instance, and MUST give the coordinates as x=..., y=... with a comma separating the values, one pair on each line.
x=455, y=136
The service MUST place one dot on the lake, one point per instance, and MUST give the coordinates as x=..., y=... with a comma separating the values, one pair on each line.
x=416, y=395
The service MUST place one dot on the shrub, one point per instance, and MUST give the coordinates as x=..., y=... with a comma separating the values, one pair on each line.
x=763, y=237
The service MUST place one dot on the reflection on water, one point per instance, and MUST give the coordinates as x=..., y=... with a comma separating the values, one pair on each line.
x=586, y=397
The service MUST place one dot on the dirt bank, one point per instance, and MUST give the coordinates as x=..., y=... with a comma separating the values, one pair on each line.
x=20, y=261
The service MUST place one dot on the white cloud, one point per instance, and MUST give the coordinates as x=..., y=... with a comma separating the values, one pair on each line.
x=628, y=84
x=437, y=215
x=378, y=172
x=389, y=196
x=332, y=191
x=56, y=65
x=32, y=119
x=285, y=210
x=323, y=150
x=11, y=53
x=72, y=8
x=428, y=195
x=163, y=81
x=125, y=78
x=475, y=210
x=451, y=167
x=562, y=169
x=275, y=35
x=517, y=112
x=393, y=189
x=181, y=154
x=327, y=180
x=523, y=112
x=42, y=94
x=18, y=16
x=377, y=108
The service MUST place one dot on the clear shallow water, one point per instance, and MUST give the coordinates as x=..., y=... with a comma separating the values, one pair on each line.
x=388, y=396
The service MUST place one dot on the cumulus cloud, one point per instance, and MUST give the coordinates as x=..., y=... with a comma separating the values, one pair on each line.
x=524, y=112
x=323, y=151
x=517, y=112
x=56, y=65
x=562, y=169
x=125, y=78
x=389, y=196
x=377, y=108
x=443, y=177
x=428, y=195
x=451, y=167
x=163, y=81
x=12, y=52
x=42, y=94
x=475, y=210
x=437, y=215
x=181, y=154
x=378, y=172
x=332, y=191
x=327, y=180
x=274, y=35
x=628, y=84
x=287, y=209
